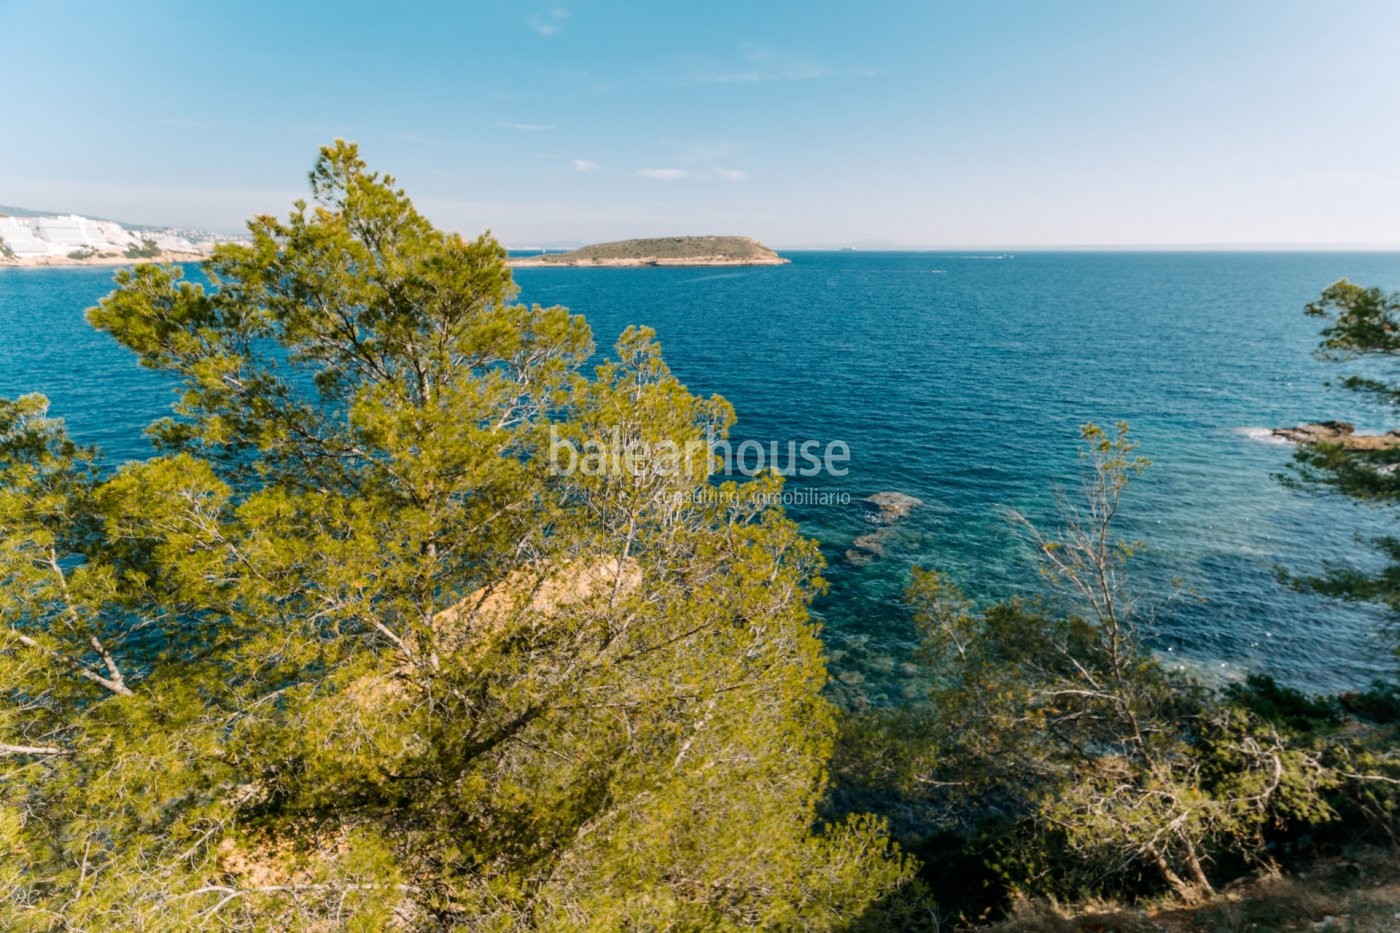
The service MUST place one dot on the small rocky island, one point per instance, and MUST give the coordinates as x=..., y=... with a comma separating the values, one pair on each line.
x=663, y=251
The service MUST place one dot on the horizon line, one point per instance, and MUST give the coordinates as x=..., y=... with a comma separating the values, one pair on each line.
x=1055, y=247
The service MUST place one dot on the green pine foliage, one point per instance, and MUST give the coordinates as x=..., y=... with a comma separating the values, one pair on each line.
x=349, y=653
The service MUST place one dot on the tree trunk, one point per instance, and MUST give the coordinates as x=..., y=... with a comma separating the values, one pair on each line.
x=1178, y=884
x=1198, y=874
x=1193, y=891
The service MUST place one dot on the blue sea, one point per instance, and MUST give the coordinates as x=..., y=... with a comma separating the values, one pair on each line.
x=960, y=379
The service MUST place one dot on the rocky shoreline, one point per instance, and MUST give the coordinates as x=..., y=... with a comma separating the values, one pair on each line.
x=1337, y=432
x=32, y=262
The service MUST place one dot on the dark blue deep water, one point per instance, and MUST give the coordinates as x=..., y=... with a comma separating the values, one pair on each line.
x=960, y=379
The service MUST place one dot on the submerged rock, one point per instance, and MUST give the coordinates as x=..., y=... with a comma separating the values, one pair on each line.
x=866, y=548
x=1337, y=432
x=874, y=543
x=858, y=558
x=890, y=507
x=884, y=509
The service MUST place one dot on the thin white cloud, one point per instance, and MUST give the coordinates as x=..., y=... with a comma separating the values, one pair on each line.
x=756, y=63
x=680, y=174
x=549, y=23
x=706, y=150
x=527, y=127
x=585, y=165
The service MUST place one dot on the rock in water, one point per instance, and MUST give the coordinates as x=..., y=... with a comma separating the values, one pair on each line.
x=866, y=548
x=858, y=558
x=874, y=543
x=1338, y=432
x=890, y=507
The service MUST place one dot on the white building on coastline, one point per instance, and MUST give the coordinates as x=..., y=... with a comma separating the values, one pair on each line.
x=18, y=236
x=71, y=231
x=64, y=235
x=60, y=236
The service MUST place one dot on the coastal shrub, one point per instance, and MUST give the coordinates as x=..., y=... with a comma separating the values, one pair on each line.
x=147, y=250
x=1284, y=707
x=1379, y=703
x=1055, y=754
x=1361, y=324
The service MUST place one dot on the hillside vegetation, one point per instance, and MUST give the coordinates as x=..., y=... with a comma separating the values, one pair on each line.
x=665, y=251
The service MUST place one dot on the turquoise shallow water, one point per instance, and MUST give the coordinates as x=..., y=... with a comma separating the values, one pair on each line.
x=960, y=379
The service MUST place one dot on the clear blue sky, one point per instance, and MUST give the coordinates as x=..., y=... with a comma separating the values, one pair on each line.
x=986, y=123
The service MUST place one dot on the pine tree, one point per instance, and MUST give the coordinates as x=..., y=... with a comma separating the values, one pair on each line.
x=353, y=650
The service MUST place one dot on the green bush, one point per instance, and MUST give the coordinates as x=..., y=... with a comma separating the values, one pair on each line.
x=1285, y=707
x=147, y=250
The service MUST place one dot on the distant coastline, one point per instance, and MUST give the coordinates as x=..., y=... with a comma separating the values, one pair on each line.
x=661, y=251
x=30, y=238
x=36, y=262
